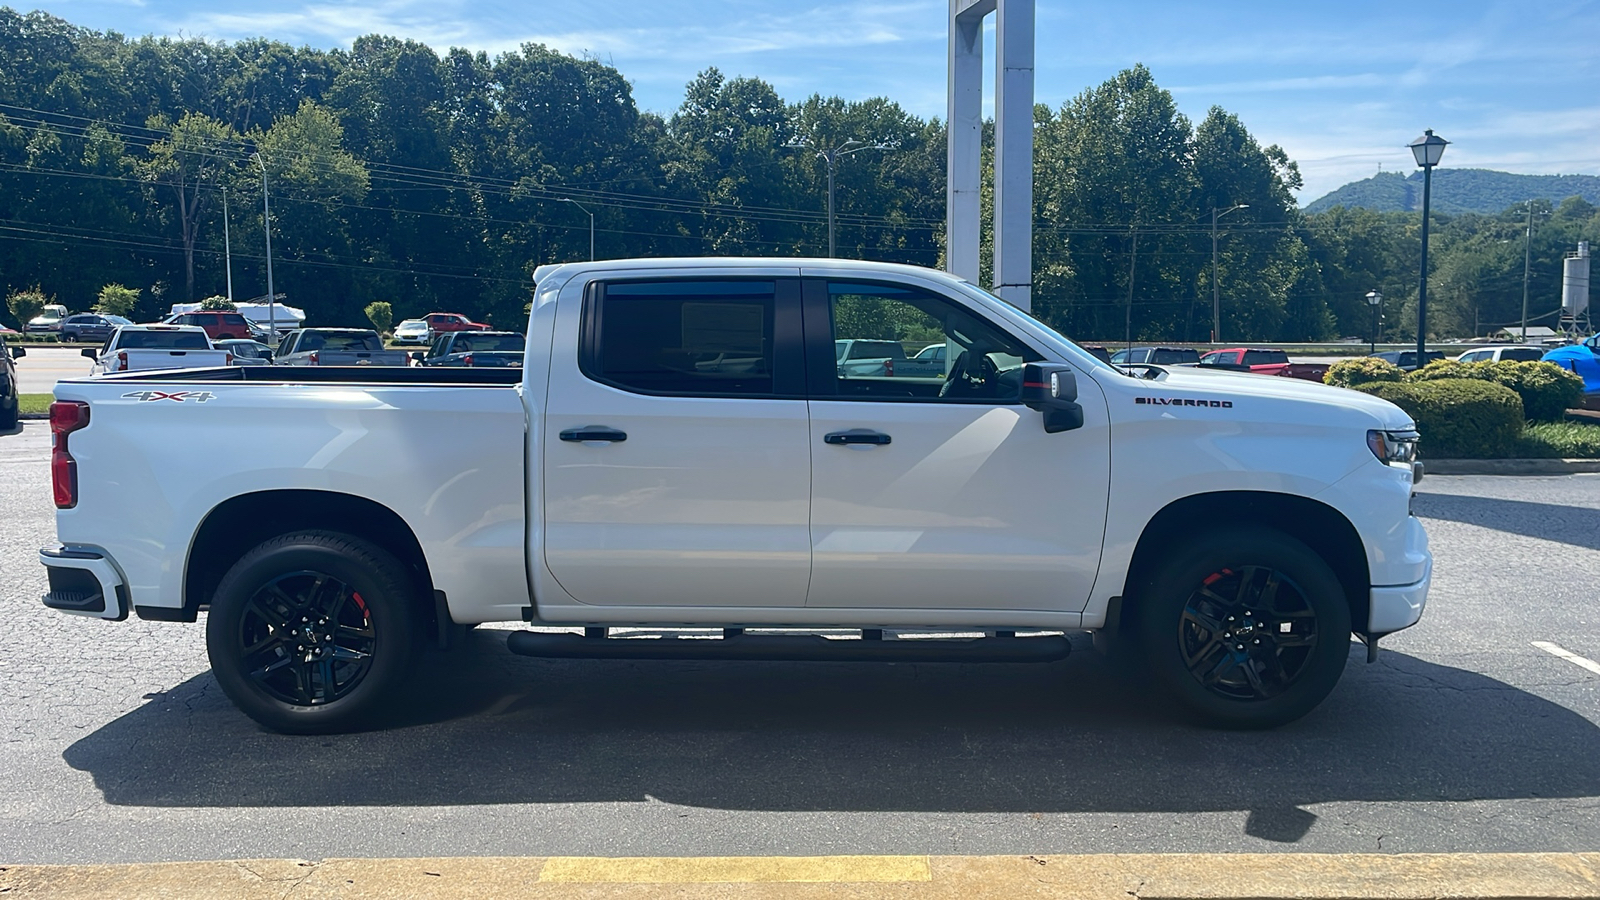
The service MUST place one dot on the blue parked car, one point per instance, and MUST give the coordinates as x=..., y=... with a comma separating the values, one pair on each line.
x=1584, y=359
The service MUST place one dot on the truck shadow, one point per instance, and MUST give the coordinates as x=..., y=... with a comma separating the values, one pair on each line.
x=485, y=727
x=1575, y=525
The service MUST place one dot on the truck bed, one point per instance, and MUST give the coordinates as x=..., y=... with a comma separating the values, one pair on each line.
x=408, y=375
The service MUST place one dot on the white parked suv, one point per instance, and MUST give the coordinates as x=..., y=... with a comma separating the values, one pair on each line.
x=1518, y=352
x=413, y=331
x=681, y=451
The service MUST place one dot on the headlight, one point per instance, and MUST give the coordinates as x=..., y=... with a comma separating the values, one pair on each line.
x=1396, y=448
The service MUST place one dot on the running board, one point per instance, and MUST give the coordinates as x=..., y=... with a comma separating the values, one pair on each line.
x=792, y=648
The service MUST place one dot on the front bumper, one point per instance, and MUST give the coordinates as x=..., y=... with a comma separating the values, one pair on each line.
x=84, y=582
x=1395, y=607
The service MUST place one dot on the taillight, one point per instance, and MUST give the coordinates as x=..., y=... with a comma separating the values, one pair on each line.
x=888, y=367
x=66, y=416
x=466, y=360
x=313, y=357
x=230, y=358
x=122, y=360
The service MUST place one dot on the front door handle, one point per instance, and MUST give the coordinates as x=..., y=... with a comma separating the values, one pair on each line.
x=856, y=436
x=594, y=433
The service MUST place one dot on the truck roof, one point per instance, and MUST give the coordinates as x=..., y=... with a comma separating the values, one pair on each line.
x=737, y=262
x=162, y=328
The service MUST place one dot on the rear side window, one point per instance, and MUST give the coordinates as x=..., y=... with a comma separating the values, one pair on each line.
x=704, y=338
x=1171, y=357
x=1265, y=357
x=1523, y=354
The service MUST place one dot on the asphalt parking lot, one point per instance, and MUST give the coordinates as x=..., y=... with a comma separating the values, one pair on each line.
x=116, y=745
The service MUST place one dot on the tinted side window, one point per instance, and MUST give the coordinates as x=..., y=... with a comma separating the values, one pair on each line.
x=683, y=337
x=1265, y=357
x=1524, y=354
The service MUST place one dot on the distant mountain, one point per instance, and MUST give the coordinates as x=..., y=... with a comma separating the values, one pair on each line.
x=1458, y=191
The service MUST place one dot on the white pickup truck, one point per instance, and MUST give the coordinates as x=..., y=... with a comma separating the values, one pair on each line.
x=136, y=348
x=680, y=452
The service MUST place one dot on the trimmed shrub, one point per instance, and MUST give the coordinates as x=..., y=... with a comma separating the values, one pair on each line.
x=381, y=314
x=1362, y=370
x=1459, y=418
x=1546, y=389
x=117, y=300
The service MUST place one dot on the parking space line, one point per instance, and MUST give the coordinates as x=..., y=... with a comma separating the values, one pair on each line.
x=1569, y=656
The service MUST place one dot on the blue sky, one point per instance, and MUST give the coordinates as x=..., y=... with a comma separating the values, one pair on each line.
x=1342, y=86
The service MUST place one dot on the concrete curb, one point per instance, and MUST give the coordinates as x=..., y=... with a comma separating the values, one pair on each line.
x=1509, y=466
x=1291, y=876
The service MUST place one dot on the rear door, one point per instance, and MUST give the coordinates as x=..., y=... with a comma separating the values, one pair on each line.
x=676, y=467
x=942, y=491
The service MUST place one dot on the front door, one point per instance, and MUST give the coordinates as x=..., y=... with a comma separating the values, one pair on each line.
x=676, y=469
x=932, y=486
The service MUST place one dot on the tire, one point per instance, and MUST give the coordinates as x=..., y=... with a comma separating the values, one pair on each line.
x=69, y=338
x=1270, y=597
x=314, y=632
x=9, y=415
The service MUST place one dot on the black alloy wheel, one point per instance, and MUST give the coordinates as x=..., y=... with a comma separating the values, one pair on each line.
x=1246, y=627
x=314, y=632
x=306, y=638
x=1247, y=634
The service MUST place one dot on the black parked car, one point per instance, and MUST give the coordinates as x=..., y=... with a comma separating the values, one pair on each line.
x=500, y=349
x=1156, y=356
x=90, y=327
x=1407, y=359
x=10, y=393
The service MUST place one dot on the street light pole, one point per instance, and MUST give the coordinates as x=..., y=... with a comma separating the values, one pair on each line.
x=227, y=245
x=1374, y=300
x=266, y=223
x=831, y=156
x=1428, y=150
x=591, y=223
x=1216, y=294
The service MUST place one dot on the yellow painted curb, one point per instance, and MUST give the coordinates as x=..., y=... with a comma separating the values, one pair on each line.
x=1287, y=876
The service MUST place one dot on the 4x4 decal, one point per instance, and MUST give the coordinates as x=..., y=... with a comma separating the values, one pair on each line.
x=175, y=396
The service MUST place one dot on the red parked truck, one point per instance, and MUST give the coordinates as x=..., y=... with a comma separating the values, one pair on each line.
x=439, y=323
x=1262, y=362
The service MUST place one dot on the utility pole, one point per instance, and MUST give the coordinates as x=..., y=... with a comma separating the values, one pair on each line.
x=227, y=245
x=1527, y=257
x=831, y=156
x=1133, y=257
x=1216, y=294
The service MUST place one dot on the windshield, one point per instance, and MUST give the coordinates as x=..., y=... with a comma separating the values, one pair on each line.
x=1064, y=344
x=355, y=341
x=163, y=340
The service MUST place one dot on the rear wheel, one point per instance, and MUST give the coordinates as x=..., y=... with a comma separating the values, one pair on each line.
x=1248, y=628
x=9, y=414
x=70, y=338
x=313, y=632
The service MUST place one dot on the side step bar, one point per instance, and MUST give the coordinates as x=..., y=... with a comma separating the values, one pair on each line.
x=792, y=648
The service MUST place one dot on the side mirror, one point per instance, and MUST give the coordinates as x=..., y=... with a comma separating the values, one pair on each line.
x=418, y=355
x=90, y=352
x=266, y=355
x=18, y=353
x=1052, y=389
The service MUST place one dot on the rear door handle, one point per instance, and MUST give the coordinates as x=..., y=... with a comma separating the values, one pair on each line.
x=856, y=436
x=594, y=433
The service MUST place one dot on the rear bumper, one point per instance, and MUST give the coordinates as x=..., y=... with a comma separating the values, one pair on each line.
x=85, y=582
x=1400, y=606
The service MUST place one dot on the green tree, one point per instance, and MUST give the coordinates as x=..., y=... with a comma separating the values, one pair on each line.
x=26, y=304
x=189, y=163
x=117, y=300
x=381, y=314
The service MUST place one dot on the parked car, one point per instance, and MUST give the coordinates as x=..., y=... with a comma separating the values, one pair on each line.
x=1156, y=356
x=1097, y=351
x=475, y=348
x=247, y=353
x=89, y=327
x=863, y=358
x=616, y=482
x=442, y=322
x=1582, y=360
x=10, y=392
x=413, y=331
x=48, y=321
x=1515, y=352
x=218, y=325
x=134, y=348
x=1262, y=362
x=337, y=347
x=1407, y=359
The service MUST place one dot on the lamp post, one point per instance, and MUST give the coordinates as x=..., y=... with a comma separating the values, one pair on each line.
x=227, y=245
x=266, y=223
x=831, y=156
x=1527, y=258
x=591, y=222
x=1374, y=300
x=1428, y=150
x=1216, y=294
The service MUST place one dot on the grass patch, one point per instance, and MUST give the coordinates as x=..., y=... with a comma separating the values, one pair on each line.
x=1560, y=440
x=39, y=404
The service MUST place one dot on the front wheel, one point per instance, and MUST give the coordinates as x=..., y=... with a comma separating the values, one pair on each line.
x=70, y=338
x=313, y=632
x=1248, y=628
